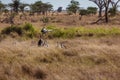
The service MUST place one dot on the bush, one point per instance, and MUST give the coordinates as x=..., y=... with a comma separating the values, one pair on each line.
x=29, y=27
x=45, y=19
x=27, y=30
x=12, y=29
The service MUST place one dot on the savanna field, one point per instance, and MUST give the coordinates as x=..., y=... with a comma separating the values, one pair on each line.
x=78, y=46
x=74, y=52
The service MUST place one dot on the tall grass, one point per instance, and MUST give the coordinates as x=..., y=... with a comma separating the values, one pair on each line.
x=98, y=31
x=28, y=30
x=82, y=31
x=82, y=59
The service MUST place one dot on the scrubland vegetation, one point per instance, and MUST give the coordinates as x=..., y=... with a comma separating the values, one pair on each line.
x=28, y=31
x=88, y=53
x=83, y=44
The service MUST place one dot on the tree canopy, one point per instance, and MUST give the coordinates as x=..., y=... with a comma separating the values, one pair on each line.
x=73, y=7
x=2, y=6
x=41, y=7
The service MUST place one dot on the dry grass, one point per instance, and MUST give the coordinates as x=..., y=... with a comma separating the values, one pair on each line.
x=62, y=20
x=81, y=59
x=85, y=58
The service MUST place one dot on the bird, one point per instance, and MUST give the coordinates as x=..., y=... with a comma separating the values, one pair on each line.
x=44, y=30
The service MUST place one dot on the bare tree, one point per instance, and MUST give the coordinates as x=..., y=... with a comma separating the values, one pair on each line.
x=106, y=5
x=100, y=4
x=114, y=4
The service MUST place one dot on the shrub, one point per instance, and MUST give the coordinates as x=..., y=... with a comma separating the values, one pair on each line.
x=57, y=33
x=28, y=27
x=45, y=19
x=13, y=29
x=29, y=30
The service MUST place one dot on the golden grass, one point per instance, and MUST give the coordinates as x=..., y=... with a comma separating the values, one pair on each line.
x=85, y=58
x=62, y=20
x=81, y=59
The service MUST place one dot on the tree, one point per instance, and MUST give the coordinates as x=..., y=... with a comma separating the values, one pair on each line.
x=41, y=7
x=10, y=5
x=100, y=5
x=47, y=7
x=82, y=12
x=59, y=9
x=73, y=7
x=15, y=5
x=113, y=10
x=37, y=6
x=106, y=5
x=88, y=11
x=22, y=6
x=2, y=6
x=92, y=10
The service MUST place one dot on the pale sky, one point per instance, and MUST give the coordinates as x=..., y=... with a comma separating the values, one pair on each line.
x=58, y=3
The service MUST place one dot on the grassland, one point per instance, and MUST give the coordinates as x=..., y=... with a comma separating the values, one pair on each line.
x=85, y=58
x=29, y=31
x=89, y=52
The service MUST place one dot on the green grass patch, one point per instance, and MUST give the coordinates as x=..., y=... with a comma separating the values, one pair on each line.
x=62, y=32
x=28, y=30
x=82, y=31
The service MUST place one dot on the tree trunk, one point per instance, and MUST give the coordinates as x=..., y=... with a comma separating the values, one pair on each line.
x=100, y=12
x=106, y=14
